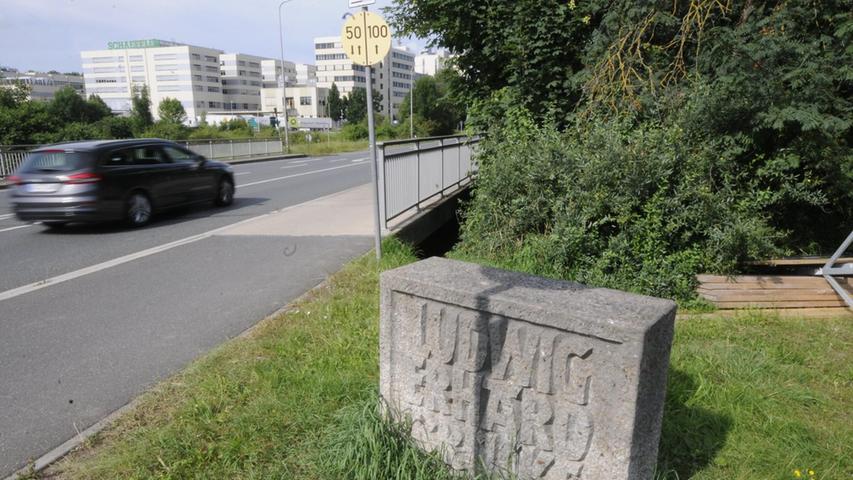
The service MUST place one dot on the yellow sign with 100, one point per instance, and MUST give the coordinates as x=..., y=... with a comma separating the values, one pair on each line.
x=366, y=38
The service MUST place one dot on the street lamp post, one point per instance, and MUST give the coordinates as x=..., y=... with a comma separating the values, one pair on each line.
x=283, y=80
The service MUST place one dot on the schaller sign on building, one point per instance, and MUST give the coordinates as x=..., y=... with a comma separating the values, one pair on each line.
x=541, y=378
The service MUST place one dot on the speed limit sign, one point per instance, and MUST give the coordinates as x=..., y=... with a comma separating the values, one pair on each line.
x=366, y=38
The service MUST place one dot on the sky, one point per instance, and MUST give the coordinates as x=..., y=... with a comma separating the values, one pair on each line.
x=47, y=35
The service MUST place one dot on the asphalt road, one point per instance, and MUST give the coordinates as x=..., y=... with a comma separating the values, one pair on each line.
x=75, y=351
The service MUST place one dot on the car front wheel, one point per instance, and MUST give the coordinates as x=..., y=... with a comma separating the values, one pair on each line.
x=138, y=209
x=224, y=192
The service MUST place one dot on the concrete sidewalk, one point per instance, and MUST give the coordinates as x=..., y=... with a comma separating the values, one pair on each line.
x=344, y=213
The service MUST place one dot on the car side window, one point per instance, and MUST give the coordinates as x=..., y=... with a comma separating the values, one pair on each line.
x=149, y=155
x=118, y=157
x=179, y=155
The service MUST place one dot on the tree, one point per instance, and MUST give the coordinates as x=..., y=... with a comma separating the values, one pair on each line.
x=98, y=109
x=141, y=109
x=335, y=104
x=172, y=111
x=12, y=97
x=434, y=109
x=357, y=104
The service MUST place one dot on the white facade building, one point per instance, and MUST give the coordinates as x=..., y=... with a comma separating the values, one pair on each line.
x=392, y=77
x=43, y=86
x=271, y=71
x=306, y=74
x=242, y=80
x=431, y=62
x=187, y=73
x=306, y=101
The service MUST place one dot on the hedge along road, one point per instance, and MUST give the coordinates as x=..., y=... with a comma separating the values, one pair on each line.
x=122, y=309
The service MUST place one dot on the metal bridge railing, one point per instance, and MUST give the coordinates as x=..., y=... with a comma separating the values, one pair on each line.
x=12, y=156
x=413, y=172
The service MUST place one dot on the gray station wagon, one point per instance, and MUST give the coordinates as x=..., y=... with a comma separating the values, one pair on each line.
x=106, y=180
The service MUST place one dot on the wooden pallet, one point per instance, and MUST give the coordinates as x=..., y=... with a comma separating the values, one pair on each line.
x=771, y=291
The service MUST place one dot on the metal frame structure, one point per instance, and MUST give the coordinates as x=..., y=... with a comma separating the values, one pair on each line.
x=829, y=270
x=414, y=172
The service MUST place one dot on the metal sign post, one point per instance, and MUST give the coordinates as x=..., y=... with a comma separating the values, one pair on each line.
x=366, y=40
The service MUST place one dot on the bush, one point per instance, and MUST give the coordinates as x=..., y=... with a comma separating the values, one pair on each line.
x=614, y=204
x=355, y=131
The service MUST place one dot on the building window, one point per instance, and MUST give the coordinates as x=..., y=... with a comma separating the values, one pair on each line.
x=168, y=78
x=197, y=77
x=107, y=59
x=305, y=100
x=241, y=63
x=208, y=68
x=254, y=64
x=138, y=78
x=213, y=89
x=211, y=79
x=210, y=58
x=135, y=58
x=331, y=56
x=214, y=105
x=196, y=56
x=166, y=56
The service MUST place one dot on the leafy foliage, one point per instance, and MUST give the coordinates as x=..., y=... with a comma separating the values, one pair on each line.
x=435, y=112
x=356, y=105
x=141, y=108
x=336, y=105
x=636, y=144
x=171, y=111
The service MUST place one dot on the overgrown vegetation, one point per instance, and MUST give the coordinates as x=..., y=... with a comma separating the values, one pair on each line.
x=634, y=145
x=748, y=397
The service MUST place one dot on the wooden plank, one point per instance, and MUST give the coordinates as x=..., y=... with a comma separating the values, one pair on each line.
x=826, y=312
x=769, y=280
x=818, y=283
x=781, y=304
x=801, y=261
x=781, y=295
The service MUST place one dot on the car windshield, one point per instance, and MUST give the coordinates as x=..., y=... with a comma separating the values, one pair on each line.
x=53, y=161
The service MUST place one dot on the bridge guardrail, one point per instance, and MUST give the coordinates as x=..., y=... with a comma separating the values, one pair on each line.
x=12, y=156
x=415, y=171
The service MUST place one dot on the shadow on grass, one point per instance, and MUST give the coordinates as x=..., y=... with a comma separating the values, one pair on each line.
x=691, y=436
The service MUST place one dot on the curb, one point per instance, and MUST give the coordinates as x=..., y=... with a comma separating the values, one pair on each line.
x=4, y=186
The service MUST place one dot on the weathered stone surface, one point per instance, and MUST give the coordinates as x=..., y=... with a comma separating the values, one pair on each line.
x=548, y=379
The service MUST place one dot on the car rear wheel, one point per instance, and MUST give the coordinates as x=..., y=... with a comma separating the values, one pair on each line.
x=224, y=192
x=138, y=209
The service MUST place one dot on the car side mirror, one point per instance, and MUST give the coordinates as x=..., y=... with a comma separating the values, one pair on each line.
x=200, y=159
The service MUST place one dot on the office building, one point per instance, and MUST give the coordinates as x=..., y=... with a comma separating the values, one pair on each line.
x=430, y=62
x=242, y=80
x=392, y=77
x=187, y=73
x=43, y=86
x=307, y=101
x=306, y=74
x=271, y=71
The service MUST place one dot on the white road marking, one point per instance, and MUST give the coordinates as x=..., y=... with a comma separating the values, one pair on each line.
x=8, y=215
x=32, y=287
x=357, y=160
x=297, y=175
x=292, y=166
x=14, y=228
x=241, y=173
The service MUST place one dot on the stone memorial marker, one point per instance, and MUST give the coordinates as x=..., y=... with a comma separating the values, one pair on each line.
x=506, y=371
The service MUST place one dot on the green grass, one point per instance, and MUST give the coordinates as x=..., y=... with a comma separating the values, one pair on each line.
x=752, y=397
x=322, y=147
